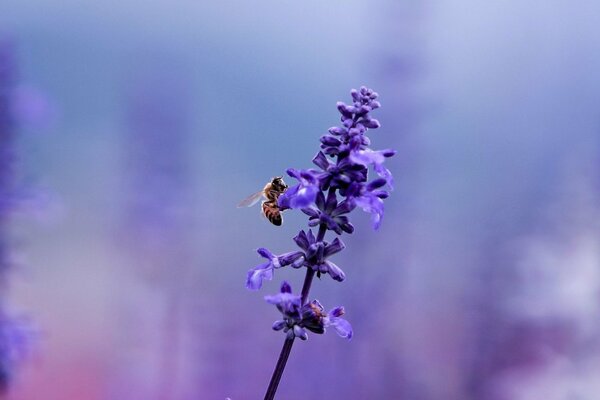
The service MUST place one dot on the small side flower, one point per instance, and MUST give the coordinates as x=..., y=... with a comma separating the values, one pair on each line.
x=304, y=193
x=298, y=319
x=316, y=254
x=264, y=271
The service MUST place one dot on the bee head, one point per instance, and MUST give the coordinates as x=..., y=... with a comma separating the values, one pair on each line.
x=278, y=183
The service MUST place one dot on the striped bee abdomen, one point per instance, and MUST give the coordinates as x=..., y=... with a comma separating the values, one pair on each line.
x=272, y=212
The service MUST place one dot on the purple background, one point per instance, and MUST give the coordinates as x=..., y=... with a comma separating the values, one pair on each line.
x=483, y=282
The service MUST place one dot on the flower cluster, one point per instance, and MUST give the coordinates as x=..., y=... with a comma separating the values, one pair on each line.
x=327, y=195
x=311, y=316
x=345, y=170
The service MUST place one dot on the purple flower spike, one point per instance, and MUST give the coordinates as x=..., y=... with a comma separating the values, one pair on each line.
x=327, y=195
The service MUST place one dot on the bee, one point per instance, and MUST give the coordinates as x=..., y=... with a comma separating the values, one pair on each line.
x=271, y=193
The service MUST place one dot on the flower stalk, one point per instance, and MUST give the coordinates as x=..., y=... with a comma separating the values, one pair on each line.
x=326, y=196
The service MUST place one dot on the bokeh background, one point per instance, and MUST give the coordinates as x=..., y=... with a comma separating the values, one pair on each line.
x=131, y=129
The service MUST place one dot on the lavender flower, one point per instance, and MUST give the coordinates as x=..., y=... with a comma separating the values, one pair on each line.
x=341, y=326
x=311, y=316
x=302, y=194
x=330, y=213
x=326, y=195
x=265, y=271
x=316, y=253
x=376, y=158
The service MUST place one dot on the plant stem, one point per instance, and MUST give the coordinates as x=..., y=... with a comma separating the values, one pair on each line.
x=278, y=372
x=310, y=273
x=287, y=344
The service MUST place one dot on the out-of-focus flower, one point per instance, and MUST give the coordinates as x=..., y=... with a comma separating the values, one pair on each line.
x=31, y=107
x=16, y=333
x=17, y=339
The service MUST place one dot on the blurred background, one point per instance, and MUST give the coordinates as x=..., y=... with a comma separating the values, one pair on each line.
x=130, y=130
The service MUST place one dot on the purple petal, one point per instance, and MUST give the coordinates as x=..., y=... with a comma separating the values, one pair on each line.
x=320, y=201
x=300, y=332
x=265, y=253
x=314, y=249
x=311, y=212
x=330, y=141
x=311, y=238
x=256, y=276
x=376, y=184
x=285, y=300
x=373, y=205
x=335, y=247
x=304, y=197
x=336, y=272
x=331, y=202
x=290, y=258
x=342, y=327
x=314, y=223
x=343, y=208
x=388, y=153
x=345, y=109
x=284, y=200
x=285, y=287
x=386, y=174
x=279, y=325
x=302, y=240
x=370, y=123
x=367, y=157
x=294, y=173
x=346, y=226
x=336, y=130
x=321, y=161
x=357, y=130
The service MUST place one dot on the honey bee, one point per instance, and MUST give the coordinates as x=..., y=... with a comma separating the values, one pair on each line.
x=271, y=193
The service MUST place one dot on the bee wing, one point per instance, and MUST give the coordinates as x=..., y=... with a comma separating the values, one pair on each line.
x=251, y=200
